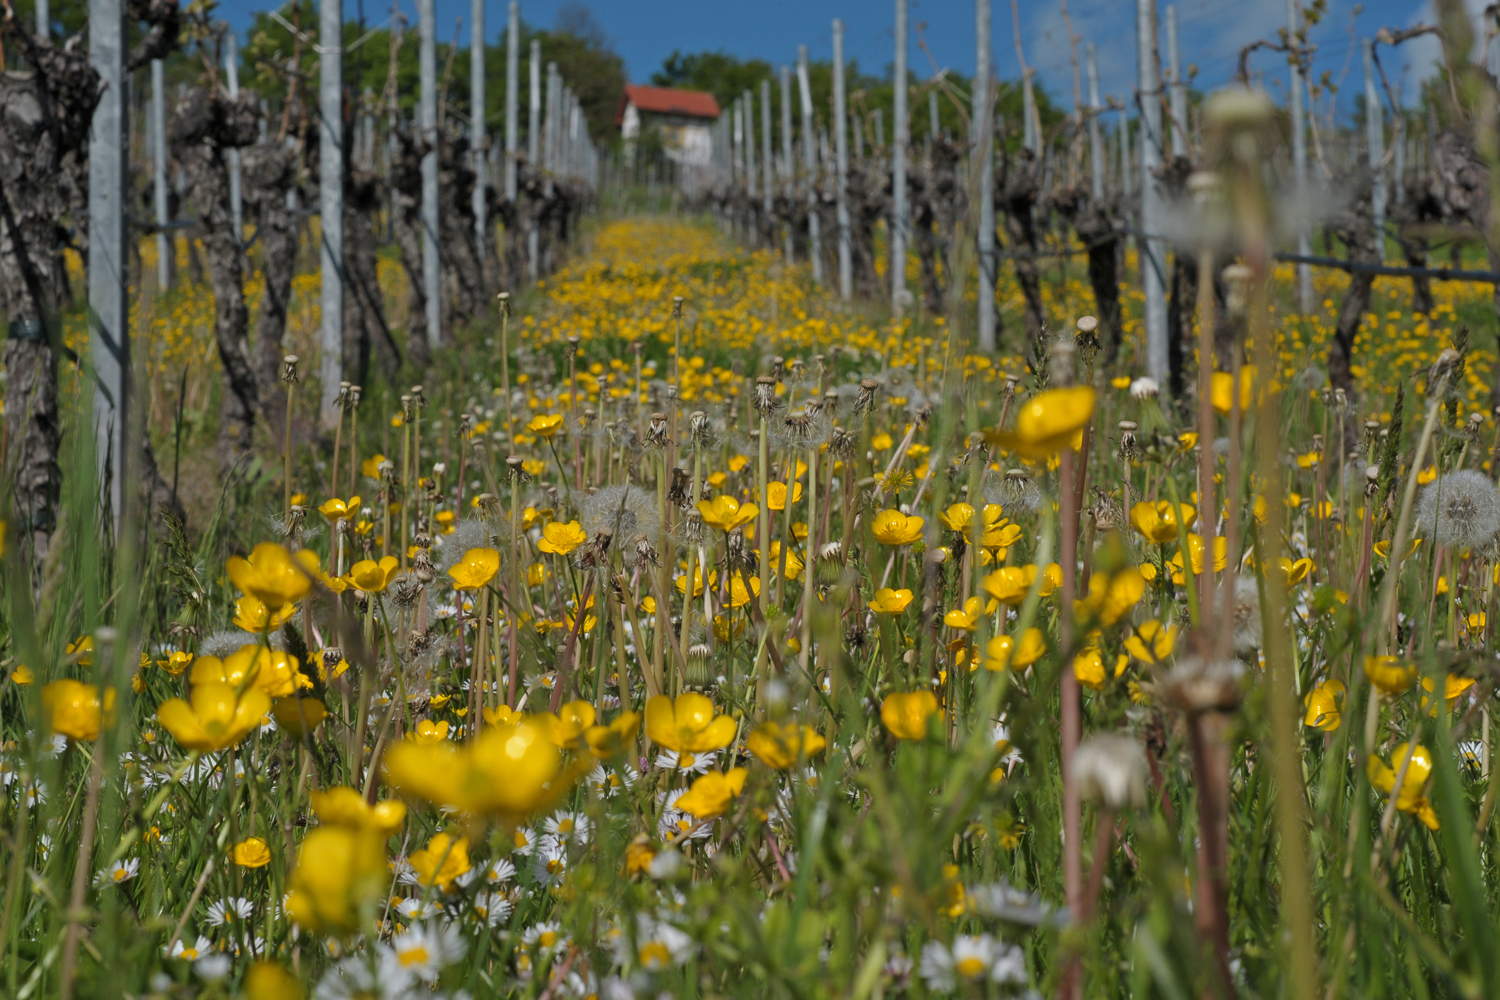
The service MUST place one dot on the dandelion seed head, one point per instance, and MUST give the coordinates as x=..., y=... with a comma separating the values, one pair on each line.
x=1460, y=510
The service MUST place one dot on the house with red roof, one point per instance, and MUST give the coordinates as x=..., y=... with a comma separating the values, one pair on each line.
x=683, y=118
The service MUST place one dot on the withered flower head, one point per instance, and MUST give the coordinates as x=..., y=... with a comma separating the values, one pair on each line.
x=1198, y=684
x=656, y=431
x=677, y=487
x=865, y=401
x=700, y=429
x=766, y=400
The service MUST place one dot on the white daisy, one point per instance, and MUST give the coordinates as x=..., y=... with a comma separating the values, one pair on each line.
x=212, y=968
x=426, y=948
x=547, y=936
x=416, y=909
x=659, y=945
x=226, y=911
x=191, y=952
x=972, y=959
x=492, y=908
x=523, y=841
x=550, y=863
x=678, y=825
x=35, y=793
x=120, y=871
x=499, y=871
x=686, y=763
x=568, y=826
x=357, y=978
x=607, y=783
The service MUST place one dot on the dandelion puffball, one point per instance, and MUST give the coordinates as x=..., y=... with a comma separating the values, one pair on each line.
x=1460, y=510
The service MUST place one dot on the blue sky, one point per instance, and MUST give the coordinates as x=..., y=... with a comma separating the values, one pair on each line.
x=1211, y=32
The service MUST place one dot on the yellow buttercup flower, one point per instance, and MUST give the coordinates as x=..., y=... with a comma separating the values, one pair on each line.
x=273, y=671
x=1453, y=688
x=890, y=602
x=428, y=732
x=503, y=715
x=1088, y=669
x=372, y=577
x=1112, y=595
x=1296, y=572
x=213, y=717
x=906, y=714
x=73, y=709
x=712, y=794
x=341, y=873
x=253, y=616
x=894, y=528
x=1221, y=390
x=1047, y=423
x=688, y=724
x=560, y=539
x=299, y=716
x=1009, y=584
x=506, y=773
x=444, y=859
x=793, y=562
x=544, y=425
x=336, y=509
x=1003, y=651
x=1158, y=521
x=967, y=617
x=1195, y=553
x=81, y=650
x=1325, y=705
x=273, y=576
x=781, y=746
x=343, y=806
x=252, y=852
x=1413, y=797
x=726, y=513
x=474, y=569
x=1390, y=674
x=1151, y=643
x=776, y=495
x=713, y=580
x=606, y=741
x=738, y=595
x=566, y=728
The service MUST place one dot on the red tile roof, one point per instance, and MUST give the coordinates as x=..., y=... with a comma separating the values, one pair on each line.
x=667, y=101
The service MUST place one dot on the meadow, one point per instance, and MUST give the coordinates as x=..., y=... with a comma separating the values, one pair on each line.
x=689, y=632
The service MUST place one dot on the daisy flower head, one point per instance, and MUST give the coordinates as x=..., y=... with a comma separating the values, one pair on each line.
x=225, y=911
x=120, y=871
x=659, y=945
x=426, y=948
x=545, y=937
x=191, y=952
x=568, y=826
x=550, y=862
x=678, y=825
x=971, y=959
x=686, y=763
x=523, y=841
x=358, y=978
x=492, y=908
x=416, y=909
x=212, y=968
x=607, y=783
